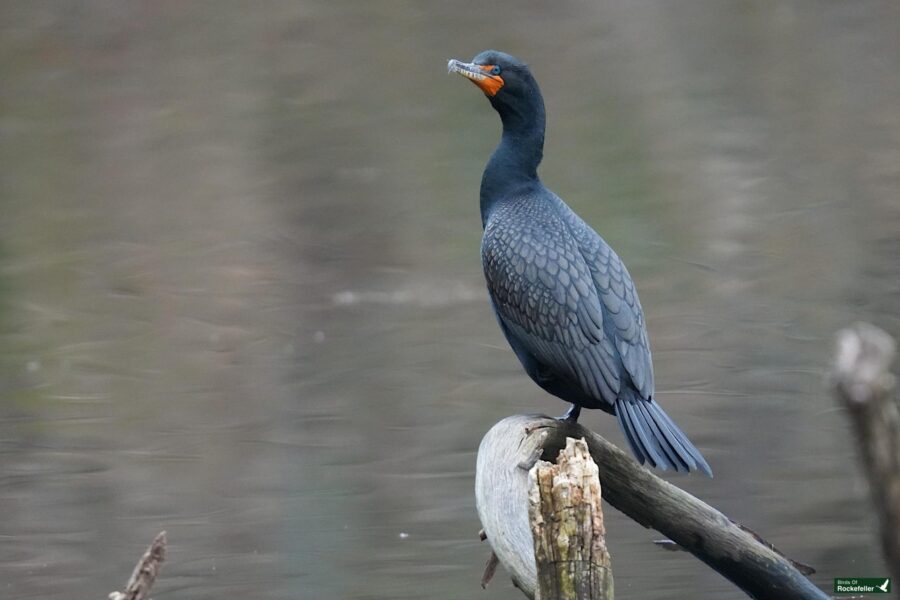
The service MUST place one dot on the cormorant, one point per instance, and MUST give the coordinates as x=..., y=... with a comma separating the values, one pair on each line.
x=562, y=297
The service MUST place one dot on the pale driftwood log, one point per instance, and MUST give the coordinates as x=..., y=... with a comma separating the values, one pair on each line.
x=566, y=517
x=864, y=385
x=512, y=446
x=145, y=572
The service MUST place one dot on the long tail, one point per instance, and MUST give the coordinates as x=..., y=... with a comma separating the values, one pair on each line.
x=654, y=438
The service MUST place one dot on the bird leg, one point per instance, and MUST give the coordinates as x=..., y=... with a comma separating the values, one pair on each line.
x=572, y=414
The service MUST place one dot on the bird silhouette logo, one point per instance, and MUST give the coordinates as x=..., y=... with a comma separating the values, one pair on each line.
x=885, y=587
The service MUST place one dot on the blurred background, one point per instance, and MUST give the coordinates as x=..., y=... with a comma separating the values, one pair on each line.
x=241, y=296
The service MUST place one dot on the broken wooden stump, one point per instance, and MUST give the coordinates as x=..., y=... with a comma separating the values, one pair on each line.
x=566, y=518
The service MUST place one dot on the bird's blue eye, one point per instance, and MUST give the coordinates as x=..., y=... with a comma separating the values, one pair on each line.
x=495, y=70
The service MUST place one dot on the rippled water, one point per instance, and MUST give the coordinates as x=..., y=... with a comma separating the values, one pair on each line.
x=241, y=298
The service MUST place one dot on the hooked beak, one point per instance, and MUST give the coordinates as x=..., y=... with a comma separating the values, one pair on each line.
x=480, y=75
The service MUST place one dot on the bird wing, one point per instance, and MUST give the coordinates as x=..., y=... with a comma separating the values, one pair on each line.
x=621, y=307
x=545, y=294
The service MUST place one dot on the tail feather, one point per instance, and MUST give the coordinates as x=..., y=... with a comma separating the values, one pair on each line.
x=644, y=435
x=664, y=440
x=702, y=465
x=654, y=438
x=627, y=426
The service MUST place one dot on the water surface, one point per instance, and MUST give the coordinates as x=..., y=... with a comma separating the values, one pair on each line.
x=241, y=297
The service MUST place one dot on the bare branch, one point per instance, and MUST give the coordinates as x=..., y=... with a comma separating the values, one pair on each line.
x=145, y=572
x=864, y=385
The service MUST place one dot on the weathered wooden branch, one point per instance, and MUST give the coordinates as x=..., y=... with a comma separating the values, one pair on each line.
x=864, y=385
x=566, y=518
x=501, y=492
x=145, y=572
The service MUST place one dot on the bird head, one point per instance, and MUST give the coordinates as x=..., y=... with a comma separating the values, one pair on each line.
x=506, y=81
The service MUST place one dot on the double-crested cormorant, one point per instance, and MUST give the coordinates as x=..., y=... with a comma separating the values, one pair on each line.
x=563, y=298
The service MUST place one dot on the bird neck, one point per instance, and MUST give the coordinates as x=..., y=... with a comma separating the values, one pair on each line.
x=513, y=166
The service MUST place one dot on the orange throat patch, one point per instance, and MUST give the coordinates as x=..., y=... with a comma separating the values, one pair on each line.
x=489, y=84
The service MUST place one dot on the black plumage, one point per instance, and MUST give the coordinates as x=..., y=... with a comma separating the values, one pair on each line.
x=562, y=297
